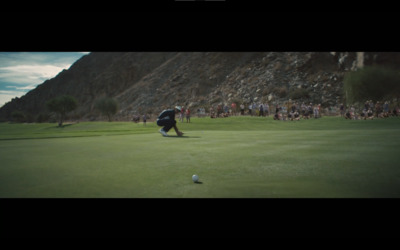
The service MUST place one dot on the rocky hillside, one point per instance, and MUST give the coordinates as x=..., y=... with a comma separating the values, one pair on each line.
x=150, y=81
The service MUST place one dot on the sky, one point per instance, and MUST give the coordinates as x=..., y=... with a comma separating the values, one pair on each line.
x=21, y=72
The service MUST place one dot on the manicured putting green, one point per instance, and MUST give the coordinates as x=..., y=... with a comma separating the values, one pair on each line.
x=239, y=157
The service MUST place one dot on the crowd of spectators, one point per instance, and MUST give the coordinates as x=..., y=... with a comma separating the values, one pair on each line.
x=369, y=110
x=295, y=111
x=292, y=111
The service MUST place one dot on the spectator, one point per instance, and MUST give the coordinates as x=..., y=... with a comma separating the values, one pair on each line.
x=353, y=113
x=226, y=109
x=250, y=109
x=386, y=107
x=370, y=114
x=341, y=110
x=289, y=105
x=296, y=116
x=188, y=115
x=366, y=105
x=378, y=109
x=233, y=107
x=395, y=110
x=364, y=114
x=348, y=114
x=181, y=114
x=219, y=110
x=291, y=115
x=212, y=112
x=316, y=112
x=144, y=119
x=303, y=108
x=254, y=108
x=319, y=111
x=371, y=105
x=293, y=107
x=310, y=109
x=261, y=108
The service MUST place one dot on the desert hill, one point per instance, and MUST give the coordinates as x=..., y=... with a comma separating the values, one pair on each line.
x=147, y=82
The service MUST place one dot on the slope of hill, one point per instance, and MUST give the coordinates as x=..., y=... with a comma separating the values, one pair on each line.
x=150, y=81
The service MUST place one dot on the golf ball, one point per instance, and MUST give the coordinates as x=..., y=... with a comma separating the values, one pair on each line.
x=195, y=178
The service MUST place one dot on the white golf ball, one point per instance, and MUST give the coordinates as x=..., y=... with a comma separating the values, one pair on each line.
x=195, y=178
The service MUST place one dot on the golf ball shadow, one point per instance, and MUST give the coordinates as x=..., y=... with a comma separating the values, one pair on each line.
x=195, y=179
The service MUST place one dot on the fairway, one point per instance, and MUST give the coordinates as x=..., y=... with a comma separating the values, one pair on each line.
x=235, y=157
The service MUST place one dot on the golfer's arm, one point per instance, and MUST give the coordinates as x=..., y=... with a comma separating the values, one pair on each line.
x=176, y=128
x=177, y=131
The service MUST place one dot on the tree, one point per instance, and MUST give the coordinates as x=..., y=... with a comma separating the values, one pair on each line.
x=371, y=83
x=62, y=105
x=107, y=106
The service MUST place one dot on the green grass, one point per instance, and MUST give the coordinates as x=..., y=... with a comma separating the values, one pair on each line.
x=234, y=157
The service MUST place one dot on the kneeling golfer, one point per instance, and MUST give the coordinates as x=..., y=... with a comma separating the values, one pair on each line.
x=167, y=120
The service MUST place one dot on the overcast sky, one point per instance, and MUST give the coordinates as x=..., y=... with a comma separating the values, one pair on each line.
x=23, y=71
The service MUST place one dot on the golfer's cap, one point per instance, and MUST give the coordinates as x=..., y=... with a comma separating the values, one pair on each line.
x=178, y=108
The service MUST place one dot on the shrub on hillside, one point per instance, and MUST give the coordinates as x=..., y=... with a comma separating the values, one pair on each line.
x=281, y=91
x=299, y=94
x=371, y=83
x=18, y=116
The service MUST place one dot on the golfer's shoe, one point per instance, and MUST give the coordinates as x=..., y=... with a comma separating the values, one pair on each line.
x=163, y=132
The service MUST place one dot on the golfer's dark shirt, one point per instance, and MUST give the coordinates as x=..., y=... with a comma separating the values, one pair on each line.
x=167, y=113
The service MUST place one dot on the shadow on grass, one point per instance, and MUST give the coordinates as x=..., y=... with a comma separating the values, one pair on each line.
x=184, y=136
x=65, y=125
x=62, y=126
x=198, y=182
